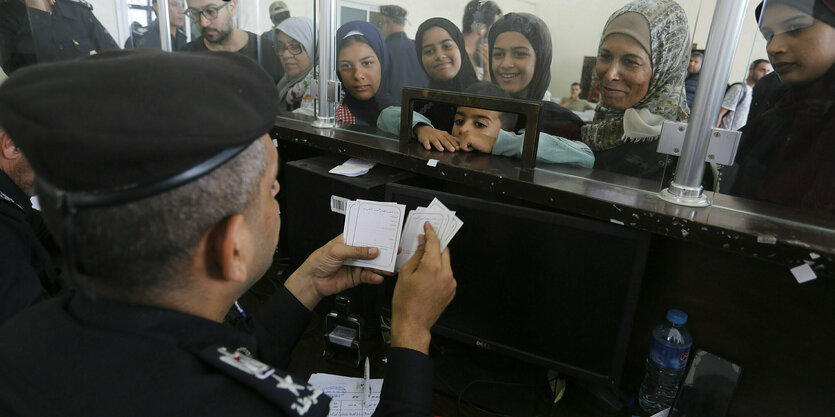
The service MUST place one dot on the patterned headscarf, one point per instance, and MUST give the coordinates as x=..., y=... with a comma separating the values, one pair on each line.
x=301, y=29
x=670, y=54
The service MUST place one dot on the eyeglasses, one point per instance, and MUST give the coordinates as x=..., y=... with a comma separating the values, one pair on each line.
x=294, y=48
x=209, y=12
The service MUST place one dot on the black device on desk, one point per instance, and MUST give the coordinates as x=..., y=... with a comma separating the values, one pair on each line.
x=552, y=290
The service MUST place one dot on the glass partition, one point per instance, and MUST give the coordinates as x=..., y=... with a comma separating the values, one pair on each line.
x=787, y=150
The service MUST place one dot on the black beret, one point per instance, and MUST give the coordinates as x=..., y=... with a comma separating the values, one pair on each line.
x=124, y=119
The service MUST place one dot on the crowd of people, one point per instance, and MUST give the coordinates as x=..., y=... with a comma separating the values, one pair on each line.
x=217, y=185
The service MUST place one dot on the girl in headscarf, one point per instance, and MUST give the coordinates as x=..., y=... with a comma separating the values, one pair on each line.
x=297, y=52
x=787, y=154
x=362, y=63
x=441, y=52
x=641, y=64
x=520, y=63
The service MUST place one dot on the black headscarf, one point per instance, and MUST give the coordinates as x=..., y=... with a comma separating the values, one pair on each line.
x=466, y=74
x=367, y=111
x=537, y=33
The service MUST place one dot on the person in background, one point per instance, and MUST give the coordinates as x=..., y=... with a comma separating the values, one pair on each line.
x=150, y=303
x=362, y=66
x=216, y=21
x=479, y=17
x=296, y=50
x=574, y=102
x=148, y=37
x=39, y=31
x=734, y=112
x=641, y=64
x=405, y=70
x=279, y=12
x=520, y=63
x=27, y=274
x=786, y=154
x=694, y=67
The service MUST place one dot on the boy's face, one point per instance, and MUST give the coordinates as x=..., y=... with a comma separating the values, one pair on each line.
x=469, y=119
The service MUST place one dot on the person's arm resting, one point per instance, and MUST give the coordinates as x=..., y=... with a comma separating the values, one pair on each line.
x=389, y=120
x=551, y=148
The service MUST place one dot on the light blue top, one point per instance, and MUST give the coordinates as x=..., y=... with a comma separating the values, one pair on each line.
x=551, y=148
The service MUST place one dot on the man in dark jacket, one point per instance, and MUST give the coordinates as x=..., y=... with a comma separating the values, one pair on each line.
x=692, y=80
x=405, y=70
x=148, y=37
x=26, y=271
x=161, y=240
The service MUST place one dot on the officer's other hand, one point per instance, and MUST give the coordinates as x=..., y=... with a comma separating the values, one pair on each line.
x=424, y=288
x=324, y=274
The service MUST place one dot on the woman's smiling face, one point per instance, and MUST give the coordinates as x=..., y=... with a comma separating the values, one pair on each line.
x=440, y=55
x=360, y=70
x=513, y=63
x=624, y=69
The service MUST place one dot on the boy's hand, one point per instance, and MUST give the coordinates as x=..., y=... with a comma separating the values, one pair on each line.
x=428, y=136
x=470, y=141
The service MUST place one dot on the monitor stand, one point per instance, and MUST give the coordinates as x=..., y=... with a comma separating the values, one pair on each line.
x=487, y=380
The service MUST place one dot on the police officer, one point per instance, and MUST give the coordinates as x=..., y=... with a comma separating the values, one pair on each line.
x=148, y=37
x=26, y=271
x=168, y=217
x=49, y=30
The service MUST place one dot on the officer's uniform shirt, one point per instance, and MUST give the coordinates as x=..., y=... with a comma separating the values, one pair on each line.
x=110, y=359
x=70, y=31
x=26, y=271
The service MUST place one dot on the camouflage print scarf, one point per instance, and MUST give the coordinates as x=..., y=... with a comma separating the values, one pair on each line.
x=670, y=44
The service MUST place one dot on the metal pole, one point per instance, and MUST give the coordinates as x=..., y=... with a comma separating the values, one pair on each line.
x=164, y=25
x=722, y=41
x=327, y=32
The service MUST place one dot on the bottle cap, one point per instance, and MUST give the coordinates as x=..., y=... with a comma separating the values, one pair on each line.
x=676, y=317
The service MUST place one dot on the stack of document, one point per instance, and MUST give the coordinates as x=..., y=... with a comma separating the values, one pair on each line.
x=380, y=225
x=445, y=223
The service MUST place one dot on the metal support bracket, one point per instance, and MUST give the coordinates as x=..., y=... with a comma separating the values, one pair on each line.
x=721, y=149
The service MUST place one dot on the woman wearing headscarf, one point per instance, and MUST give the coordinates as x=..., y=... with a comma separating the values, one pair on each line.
x=297, y=52
x=641, y=64
x=362, y=66
x=787, y=154
x=440, y=49
x=520, y=63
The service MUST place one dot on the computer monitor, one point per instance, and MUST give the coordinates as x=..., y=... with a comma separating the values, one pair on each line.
x=555, y=290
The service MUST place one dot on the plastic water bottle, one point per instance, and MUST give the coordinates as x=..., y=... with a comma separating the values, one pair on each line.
x=666, y=363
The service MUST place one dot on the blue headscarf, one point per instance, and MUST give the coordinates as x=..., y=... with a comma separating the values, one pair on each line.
x=367, y=111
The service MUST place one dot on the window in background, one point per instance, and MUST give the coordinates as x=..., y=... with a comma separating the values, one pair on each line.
x=350, y=11
x=140, y=12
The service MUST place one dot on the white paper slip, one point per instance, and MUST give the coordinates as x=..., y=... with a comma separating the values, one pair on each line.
x=347, y=394
x=444, y=222
x=803, y=273
x=353, y=167
x=375, y=224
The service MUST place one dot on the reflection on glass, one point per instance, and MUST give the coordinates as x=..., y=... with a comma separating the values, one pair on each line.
x=787, y=150
x=479, y=17
x=361, y=64
x=405, y=71
x=737, y=101
x=295, y=48
x=148, y=36
x=641, y=64
x=36, y=31
x=215, y=20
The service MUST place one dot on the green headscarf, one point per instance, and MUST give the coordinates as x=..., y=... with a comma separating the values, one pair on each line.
x=670, y=54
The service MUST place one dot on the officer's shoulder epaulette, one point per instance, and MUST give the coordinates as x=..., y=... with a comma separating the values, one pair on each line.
x=79, y=3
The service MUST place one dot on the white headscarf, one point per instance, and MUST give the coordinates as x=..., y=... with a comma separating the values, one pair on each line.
x=301, y=29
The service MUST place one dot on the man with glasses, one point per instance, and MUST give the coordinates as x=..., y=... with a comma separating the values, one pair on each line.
x=149, y=37
x=219, y=32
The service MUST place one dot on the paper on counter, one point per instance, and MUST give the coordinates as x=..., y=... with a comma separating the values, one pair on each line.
x=353, y=167
x=347, y=394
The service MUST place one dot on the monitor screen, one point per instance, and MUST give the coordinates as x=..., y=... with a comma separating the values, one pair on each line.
x=555, y=290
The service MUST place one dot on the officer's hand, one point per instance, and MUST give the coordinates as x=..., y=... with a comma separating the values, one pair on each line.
x=428, y=136
x=323, y=273
x=470, y=141
x=424, y=288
